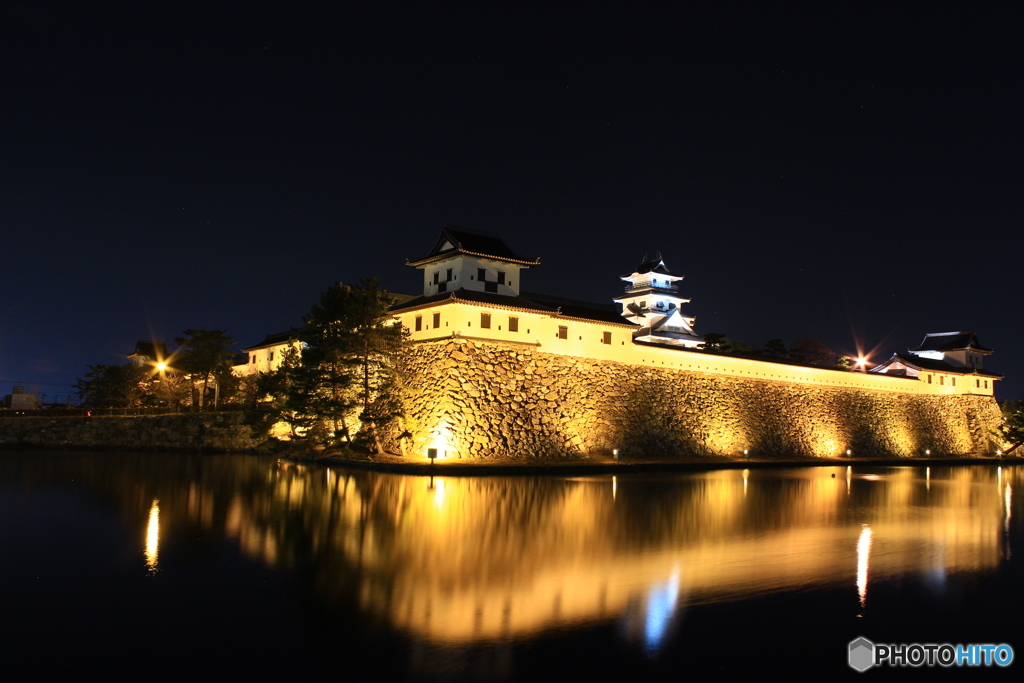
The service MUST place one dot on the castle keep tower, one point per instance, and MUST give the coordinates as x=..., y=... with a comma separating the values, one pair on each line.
x=652, y=301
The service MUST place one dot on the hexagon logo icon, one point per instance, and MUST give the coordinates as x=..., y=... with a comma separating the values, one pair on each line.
x=862, y=654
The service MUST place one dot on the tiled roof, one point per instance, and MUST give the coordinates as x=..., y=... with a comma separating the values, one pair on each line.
x=951, y=341
x=528, y=301
x=585, y=310
x=149, y=349
x=275, y=339
x=471, y=297
x=652, y=266
x=933, y=365
x=472, y=243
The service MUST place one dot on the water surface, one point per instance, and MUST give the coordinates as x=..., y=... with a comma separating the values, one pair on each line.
x=163, y=565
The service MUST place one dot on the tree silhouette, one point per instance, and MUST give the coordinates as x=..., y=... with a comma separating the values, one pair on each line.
x=204, y=354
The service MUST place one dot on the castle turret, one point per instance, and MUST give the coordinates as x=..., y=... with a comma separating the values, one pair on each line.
x=961, y=348
x=652, y=301
x=473, y=260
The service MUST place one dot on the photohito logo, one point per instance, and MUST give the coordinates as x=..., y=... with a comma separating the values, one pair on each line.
x=863, y=654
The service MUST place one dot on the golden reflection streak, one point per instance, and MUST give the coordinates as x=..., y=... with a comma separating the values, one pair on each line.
x=615, y=486
x=849, y=477
x=469, y=559
x=438, y=487
x=863, y=554
x=746, y=475
x=1008, y=498
x=153, y=536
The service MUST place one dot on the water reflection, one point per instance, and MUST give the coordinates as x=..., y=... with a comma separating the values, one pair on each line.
x=863, y=557
x=153, y=536
x=464, y=561
x=470, y=560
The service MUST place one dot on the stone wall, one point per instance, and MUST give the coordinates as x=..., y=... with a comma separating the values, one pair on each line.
x=207, y=431
x=485, y=399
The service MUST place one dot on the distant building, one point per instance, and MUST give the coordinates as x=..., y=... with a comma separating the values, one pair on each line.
x=148, y=352
x=266, y=355
x=951, y=359
x=19, y=400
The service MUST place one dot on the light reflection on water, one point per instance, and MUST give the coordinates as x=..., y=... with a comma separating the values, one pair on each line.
x=460, y=562
x=153, y=536
x=465, y=560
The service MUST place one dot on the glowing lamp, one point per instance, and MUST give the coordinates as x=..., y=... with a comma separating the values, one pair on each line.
x=161, y=366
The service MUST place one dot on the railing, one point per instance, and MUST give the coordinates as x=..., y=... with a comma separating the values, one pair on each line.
x=671, y=287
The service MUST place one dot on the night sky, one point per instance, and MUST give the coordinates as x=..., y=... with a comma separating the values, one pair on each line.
x=821, y=170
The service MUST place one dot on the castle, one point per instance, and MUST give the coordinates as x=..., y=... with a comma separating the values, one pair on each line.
x=471, y=290
x=511, y=372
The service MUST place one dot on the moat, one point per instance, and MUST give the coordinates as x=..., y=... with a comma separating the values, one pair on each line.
x=164, y=565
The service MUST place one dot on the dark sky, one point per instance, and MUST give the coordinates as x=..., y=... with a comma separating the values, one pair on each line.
x=814, y=170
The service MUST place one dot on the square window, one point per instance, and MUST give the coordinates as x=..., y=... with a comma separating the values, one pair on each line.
x=437, y=320
x=563, y=332
x=485, y=321
x=419, y=323
x=606, y=338
x=501, y=278
x=481, y=274
x=513, y=324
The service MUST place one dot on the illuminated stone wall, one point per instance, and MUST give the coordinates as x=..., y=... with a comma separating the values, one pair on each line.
x=472, y=398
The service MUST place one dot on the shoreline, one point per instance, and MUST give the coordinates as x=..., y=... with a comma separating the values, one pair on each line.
x=396, y=464
x=641, y=466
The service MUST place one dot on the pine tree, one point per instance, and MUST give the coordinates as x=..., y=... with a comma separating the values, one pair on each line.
x=113, y=386
x=349, y=347
x=204, y=354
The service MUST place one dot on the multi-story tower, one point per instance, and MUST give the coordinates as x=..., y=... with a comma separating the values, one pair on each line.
x=652, y=301
x=471, y=260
